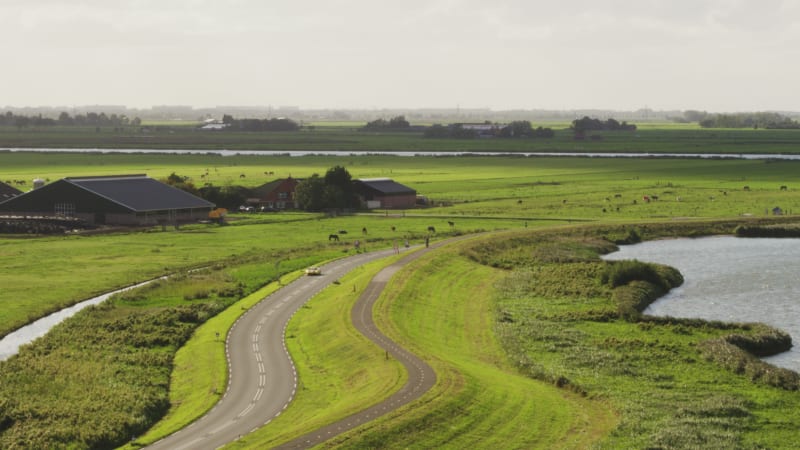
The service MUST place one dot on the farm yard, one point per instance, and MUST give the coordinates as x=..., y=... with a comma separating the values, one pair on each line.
x=477, y=347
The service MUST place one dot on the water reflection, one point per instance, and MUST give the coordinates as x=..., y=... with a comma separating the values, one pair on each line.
x=730, y=279
x=10, y=344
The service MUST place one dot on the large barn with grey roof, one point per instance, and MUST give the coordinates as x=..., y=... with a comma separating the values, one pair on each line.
x=110, y=200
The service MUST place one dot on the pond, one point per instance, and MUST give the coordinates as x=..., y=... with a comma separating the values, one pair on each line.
x=730, y=279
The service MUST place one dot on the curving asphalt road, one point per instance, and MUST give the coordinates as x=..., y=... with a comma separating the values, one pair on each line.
x=421, y=376
x=262, y=378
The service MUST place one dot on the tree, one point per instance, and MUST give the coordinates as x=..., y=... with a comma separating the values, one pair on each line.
x=311, y=193
x=395, y=123
x=520, y=128
x=181, y=183
x=339, y=188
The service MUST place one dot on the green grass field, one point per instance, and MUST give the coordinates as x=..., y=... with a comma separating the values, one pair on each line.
x=650, y=137
x=435, y=309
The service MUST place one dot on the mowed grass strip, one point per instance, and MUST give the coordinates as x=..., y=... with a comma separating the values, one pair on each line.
x=340, y=372
x=441, y=308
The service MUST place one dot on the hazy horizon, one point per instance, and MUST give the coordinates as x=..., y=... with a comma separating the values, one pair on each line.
x=711, y=55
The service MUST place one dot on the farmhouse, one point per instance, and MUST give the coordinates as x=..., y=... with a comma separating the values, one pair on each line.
x=8, y=191
x=278, y=194
x=111, y=200
x=385, y=193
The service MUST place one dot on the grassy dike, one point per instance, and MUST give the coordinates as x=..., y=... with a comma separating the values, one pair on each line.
x=441, y=308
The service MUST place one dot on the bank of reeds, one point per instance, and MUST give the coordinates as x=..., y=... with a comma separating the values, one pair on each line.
x=576, y=321
x=768, y=231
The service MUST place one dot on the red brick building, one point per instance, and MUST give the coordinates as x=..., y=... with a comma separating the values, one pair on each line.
x=385, y=193
x=278, y=194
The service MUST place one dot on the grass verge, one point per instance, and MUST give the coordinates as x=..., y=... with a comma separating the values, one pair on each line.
x=441, y=308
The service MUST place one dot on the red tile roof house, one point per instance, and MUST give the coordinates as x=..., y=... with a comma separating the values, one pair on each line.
x=385, y=193
x=278, y=194
x=110, y=200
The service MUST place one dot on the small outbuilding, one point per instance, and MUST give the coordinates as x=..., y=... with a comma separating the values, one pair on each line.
x=110, y=200
x=385, y=193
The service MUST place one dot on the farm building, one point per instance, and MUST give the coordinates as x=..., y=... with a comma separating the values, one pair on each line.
x=278, y=194
x=7, y=191
x=110, y=200
x=385, y=193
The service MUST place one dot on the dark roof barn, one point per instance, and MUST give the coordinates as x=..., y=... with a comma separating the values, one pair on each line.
x=7, y=191
x=385, y=193
x=123, y=199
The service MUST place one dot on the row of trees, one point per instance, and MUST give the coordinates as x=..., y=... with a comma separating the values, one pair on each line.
x=273, y=124
x=749, y=120
x=228, y=196
x=64, y=119
x=516, y=129
x=395, y=123
x=335, y=190
x=589, y=124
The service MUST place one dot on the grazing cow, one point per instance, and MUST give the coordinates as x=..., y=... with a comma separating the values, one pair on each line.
x=746, y=188
x=364, y=230
x=646, y=198
x=333, y=237
x=342, y=231
x=242, y=176
x=783, y=188
x=431, y=229
x=654, y=197
x=452, y=224
x=617, y=195
x=393, y=228
x=519, y=202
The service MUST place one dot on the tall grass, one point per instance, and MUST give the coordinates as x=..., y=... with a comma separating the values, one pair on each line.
x=678, y=383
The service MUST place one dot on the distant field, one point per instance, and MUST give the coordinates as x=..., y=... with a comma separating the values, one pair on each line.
x=344, y=136
x=523, y=188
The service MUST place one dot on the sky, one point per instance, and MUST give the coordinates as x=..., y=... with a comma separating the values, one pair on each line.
x=712, y=55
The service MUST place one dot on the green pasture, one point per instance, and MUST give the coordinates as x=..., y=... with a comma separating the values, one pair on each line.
x=45, y=274
x=475, y=193
x=500, y=186
x=650, y=138
x=446, y=307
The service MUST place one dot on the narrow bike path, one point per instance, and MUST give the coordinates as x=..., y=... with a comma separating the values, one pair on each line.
x=421, y=377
